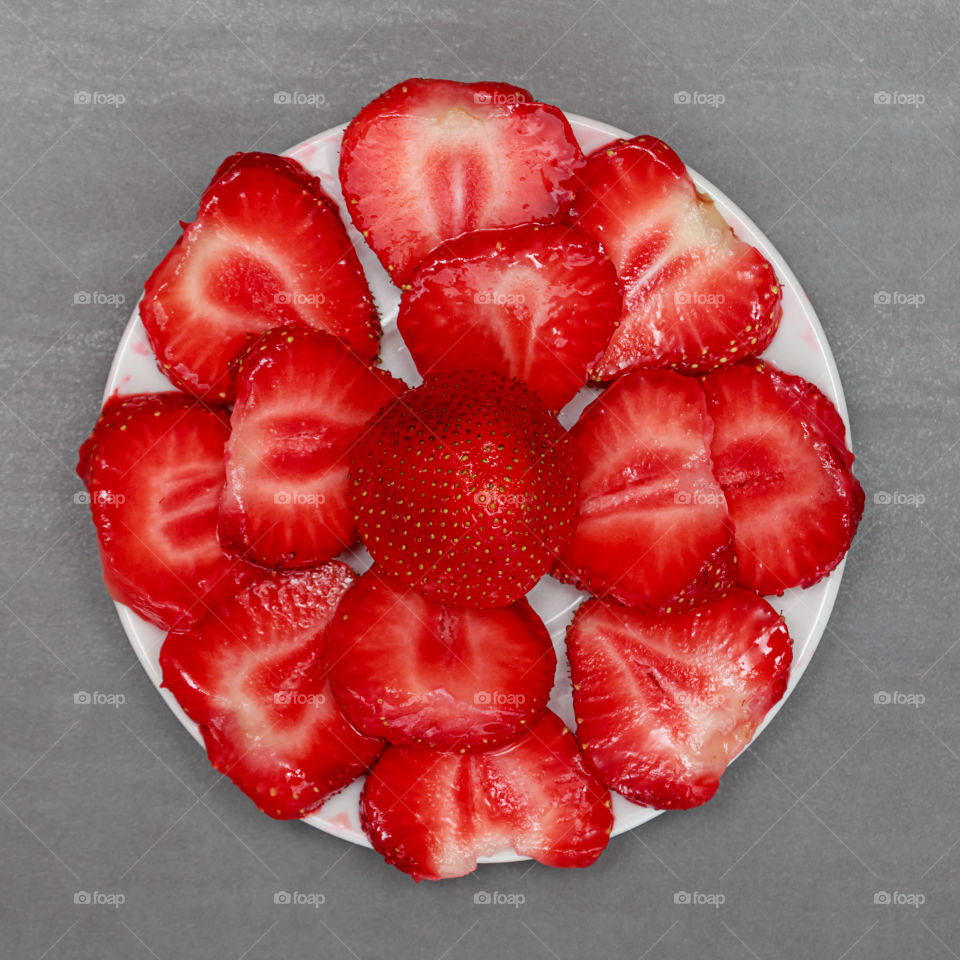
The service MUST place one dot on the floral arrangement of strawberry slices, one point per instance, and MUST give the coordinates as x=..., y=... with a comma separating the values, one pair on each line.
x=698, y=480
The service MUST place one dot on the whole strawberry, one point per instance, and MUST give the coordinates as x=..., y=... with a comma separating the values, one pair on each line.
x=464, y=488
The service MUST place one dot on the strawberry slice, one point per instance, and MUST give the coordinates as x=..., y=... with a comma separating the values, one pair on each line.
x=250, y=674
x=780, y=454
x=695, y=296
x=432, y=814
x=153, y=466
x=267, y=249
x=431, y=159
x=653, y=529
x=303, y=399
x=534, y=302
x=412, y=670
x=664, y=704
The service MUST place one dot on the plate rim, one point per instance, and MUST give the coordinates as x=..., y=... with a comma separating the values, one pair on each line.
x=132, y=624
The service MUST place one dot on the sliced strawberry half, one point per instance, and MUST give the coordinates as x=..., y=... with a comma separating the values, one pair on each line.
x=267, y=249
x=153, y=466
x=534, y=302
x=433, y=814
x=780, y=454
x=431, y=159
x=653, y=529
x=250, y=673
x=664, y=704
x=695, y=296
x=413, y=670
x=303, y=399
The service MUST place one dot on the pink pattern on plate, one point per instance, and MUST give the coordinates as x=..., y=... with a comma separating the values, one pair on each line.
x=343, y=820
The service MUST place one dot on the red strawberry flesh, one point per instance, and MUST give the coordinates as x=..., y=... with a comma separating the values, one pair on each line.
x=664, y=704
x=431, y=159
x=153, y=466
x=433, y=814
x=250, y=673
x=303, y=399
x=780, y=454
x=412, y=670
x=267, y=249
x=653, y=529
x=695, y=295
x=534, y=302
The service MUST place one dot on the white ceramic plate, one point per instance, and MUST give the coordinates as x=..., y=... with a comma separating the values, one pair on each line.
x=799, y=347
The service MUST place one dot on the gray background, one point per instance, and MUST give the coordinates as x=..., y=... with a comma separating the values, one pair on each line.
x=842, y=797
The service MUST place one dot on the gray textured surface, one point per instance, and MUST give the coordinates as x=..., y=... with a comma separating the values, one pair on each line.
x=841, y=798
